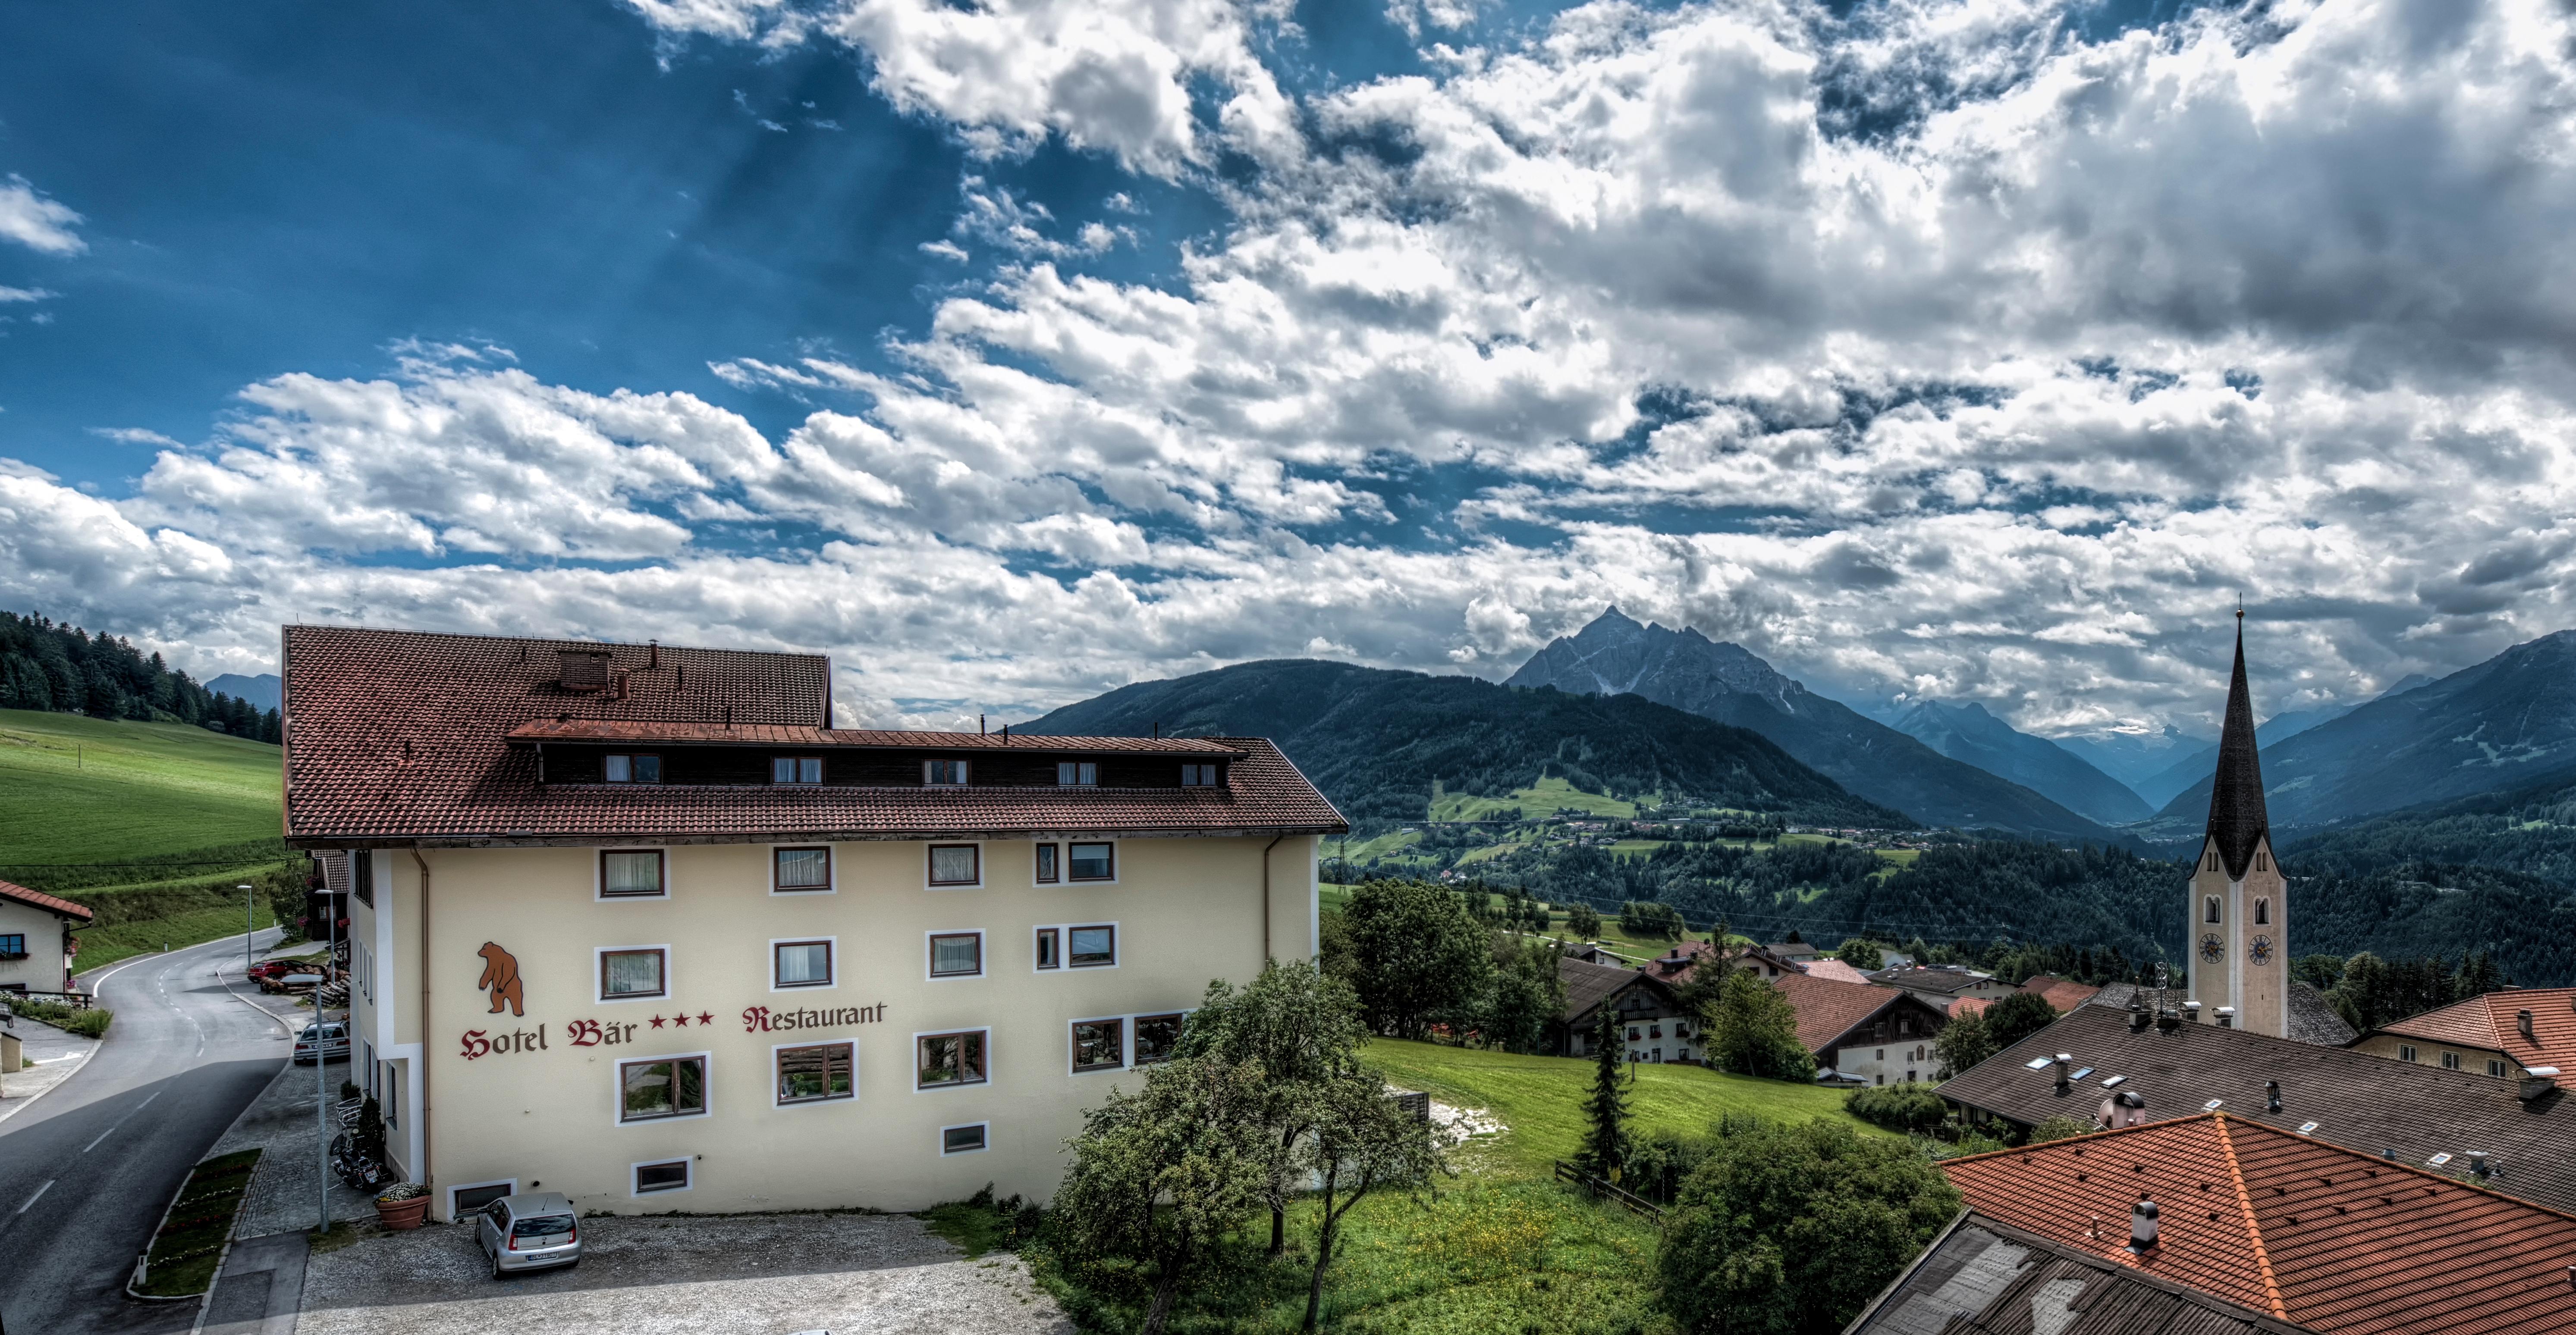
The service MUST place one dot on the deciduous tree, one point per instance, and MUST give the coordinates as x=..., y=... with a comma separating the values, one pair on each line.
x=1965, y=1041
x=1419, y=958
x=1359, y=1141
x=1584, y=922
x=1754, y=1031
x=1303, y=1030
x=2017, y=1017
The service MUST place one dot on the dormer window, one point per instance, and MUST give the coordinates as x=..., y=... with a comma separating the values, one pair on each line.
x=943, y=773
x=795, y=769
x=1198, y=776
x=631, y=769
x=1077, y=773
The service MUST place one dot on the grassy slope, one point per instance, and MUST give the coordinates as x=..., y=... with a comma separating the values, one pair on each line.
x=80, y=789
x=1540, y=1099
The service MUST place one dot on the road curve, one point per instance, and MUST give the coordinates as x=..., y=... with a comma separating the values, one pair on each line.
x=85, y=1172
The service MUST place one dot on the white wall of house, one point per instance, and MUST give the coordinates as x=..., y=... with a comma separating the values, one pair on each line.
x=38, y=936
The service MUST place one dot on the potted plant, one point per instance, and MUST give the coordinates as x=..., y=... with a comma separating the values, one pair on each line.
x=401, y=1205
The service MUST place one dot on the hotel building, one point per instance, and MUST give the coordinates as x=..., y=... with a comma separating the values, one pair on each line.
x=636, y=924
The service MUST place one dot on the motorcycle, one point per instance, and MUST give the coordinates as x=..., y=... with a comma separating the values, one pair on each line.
x=360, y=1172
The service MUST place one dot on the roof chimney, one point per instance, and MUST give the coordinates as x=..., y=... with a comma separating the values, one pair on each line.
x=2191, y=1011
x=2142, y=1226
x=2137, y=1016
x=652, y=653
x=583, y=669
x=2065, y=1061
x=2522, y=1021
x=2478, y=1167
x=2227, y=1017
x=2538, y=1080
x=2167, y=1021
x=2271, y=1096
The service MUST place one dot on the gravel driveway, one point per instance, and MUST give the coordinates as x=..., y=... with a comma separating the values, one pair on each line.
x=734, y=1275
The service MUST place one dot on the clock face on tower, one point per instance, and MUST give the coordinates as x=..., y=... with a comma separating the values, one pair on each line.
x=2212, y=949
x=2260, y=952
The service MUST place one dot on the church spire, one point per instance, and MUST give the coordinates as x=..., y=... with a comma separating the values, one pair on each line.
x=2236, y=818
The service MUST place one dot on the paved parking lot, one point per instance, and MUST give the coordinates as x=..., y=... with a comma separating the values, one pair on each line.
x=733, y=1275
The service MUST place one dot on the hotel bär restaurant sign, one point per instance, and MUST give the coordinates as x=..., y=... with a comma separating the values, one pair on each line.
x=502, y=980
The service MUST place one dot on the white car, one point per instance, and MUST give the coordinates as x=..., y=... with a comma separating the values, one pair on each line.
x=333, y=1038
x=531, y=1231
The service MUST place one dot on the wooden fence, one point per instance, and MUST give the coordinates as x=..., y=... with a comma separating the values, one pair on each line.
x=1566, y=1172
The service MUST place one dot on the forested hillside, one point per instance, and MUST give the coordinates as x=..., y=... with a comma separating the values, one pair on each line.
x=1375, y=741
x=47, y=665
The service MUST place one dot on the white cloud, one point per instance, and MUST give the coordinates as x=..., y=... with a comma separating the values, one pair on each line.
x=16, y=294
x=36, y=222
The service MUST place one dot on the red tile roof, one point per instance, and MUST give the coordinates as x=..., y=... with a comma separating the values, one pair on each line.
x=2061, y=994
x=1836, y=970
x=2493, y=1021
x=2330, y=1239
x=396, y=737
x=44, y=901
x=1827, y=1009
x=1967, y=1006
x=769, y=734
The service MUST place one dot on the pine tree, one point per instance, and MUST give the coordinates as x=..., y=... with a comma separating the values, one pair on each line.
x=1605, y=1146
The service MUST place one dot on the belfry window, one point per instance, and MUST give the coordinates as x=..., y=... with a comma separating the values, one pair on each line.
x=2209, y=908
x=2262, y=911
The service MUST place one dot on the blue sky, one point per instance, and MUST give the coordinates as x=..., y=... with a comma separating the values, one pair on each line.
x=1011, y=350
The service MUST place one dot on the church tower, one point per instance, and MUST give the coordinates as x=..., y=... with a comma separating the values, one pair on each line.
x=2240, y=905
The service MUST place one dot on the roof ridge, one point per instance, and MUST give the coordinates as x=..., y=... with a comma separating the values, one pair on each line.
x=2089, y=1136
x=2253, y=1226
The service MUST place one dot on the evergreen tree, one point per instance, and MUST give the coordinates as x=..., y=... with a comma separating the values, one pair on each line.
x=1605, y=1144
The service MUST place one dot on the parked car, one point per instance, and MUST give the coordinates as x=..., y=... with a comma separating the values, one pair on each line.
x=530, y=1231
x=333, y=1038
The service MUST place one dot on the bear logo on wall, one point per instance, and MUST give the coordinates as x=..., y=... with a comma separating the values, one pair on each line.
x=501, y=976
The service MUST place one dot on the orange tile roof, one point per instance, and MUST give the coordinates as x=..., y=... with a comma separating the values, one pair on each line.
x=1827, y=1009
x=2062, y=994
x=1967, y=1006
x=40, y=899
x=2325, y=1237
x=1836, y=970
x=2493, y=1021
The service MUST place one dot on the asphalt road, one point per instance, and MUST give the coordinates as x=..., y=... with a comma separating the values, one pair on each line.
x=85, y=1172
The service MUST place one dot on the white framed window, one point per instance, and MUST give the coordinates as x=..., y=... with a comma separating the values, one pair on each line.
x=2495, y=1068
x=958, y=954
x=633, y=973
x=1091, y=860
x=805, y=870
x=653, y=1177
x=1088, y=945
x=2406, y=1052
x=631, y=768
x=798, y=963
x=1099, y=1045
x=815, y=1072
x=661, y=1089
x=956, y=866
x=1200, y=776
x=631, y=873
x=2450, y=1061
x=467, y=1198
x=1050, y=864
x=796, y=769
x=952, y=1059
x=1077, y=773
x=943, y=773
x=971, y=1138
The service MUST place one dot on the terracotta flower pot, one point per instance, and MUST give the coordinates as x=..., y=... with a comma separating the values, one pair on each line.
x=402, y=1214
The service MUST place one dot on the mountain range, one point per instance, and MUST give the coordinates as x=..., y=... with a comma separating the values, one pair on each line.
x=262, y=690
x=1616, y=655
x=1968, y=733
x=1375, y=740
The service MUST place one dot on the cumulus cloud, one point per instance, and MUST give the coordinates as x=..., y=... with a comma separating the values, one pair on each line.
x=1942, y=350
x=40, y=224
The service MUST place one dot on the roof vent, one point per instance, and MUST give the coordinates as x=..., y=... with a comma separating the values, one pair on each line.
x=2142, y=1226
x=2522, y=1021
x=584, y=669
x=2137, y=1017
x=2191, y=1011
x=2063, y=1064
x=2538, y=1080
x=2227, y=1017
x=2272, y=1096
x=2478, y=1166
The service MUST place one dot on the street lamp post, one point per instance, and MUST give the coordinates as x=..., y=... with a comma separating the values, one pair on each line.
x=249, y=915
x=322, y=1050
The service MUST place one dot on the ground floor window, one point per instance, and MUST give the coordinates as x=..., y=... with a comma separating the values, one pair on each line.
x=813, y=1074
x=1157, y=1037
x=473, y=1196
x=1099, y=1045
x=671, y=1175
x=962, y=1139
x=662, y=1087
x=951, y=1059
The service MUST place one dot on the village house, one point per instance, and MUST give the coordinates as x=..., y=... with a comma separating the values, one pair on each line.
x=1862, y=1034
x=1942, y=984
x=36, y=941
x=1657, y=1028
x=637, y=924
x=2516, y=1034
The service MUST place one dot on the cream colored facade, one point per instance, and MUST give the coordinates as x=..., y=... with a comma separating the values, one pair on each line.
x=480, y=1096
x=2240, y=934
x=2467, y=1057
x=44, y=966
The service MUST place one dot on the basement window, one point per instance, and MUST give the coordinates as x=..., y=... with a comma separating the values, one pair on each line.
x=631, y=769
